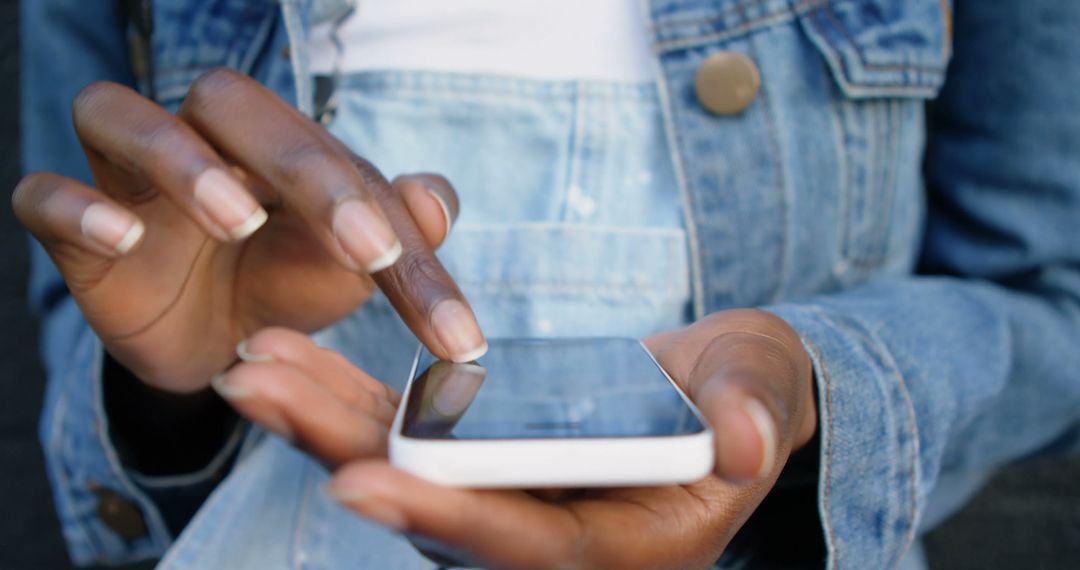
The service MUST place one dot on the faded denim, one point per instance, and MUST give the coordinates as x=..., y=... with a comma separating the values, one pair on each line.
x=928, y=255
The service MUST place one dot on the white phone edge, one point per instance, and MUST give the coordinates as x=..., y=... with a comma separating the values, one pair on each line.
x=543, y=463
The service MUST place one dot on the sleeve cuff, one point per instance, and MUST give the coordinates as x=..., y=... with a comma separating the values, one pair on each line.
x=867, y=495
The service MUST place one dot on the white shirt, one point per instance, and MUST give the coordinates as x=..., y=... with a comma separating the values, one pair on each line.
x=540, y=39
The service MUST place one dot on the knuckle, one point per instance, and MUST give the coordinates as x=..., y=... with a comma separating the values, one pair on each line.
x=210, y=93
x=307, y=162
x=89, y=100
x=33, y=196
x=161, y=140
x=25, y=191
x=213, y=84
x=372, y=177
x=419, y=276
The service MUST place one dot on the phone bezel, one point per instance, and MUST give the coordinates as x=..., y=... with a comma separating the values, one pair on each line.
x=555, y=462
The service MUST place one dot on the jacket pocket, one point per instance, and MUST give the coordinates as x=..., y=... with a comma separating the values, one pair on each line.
x=887, y=58
x=881, y=48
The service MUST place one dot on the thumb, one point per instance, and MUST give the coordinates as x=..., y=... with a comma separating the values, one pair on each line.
x=751, y=378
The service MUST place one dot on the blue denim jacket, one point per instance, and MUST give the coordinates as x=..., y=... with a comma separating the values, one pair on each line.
x=929, y=255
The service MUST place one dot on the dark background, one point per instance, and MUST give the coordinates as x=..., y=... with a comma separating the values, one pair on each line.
x=1028, y=517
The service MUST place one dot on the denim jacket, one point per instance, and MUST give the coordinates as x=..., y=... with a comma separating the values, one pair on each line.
x=904, y=190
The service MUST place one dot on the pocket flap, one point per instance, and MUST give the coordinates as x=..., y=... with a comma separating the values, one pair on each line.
x=883, y=48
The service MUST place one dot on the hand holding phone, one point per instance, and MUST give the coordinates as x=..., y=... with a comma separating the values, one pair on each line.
x=723, y=362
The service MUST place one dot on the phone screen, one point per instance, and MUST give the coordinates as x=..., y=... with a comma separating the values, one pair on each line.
x=547, y=388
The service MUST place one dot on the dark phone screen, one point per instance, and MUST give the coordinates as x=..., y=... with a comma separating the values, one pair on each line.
x=547, y=388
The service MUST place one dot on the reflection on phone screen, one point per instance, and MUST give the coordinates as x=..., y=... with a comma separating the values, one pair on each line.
x=547, y=388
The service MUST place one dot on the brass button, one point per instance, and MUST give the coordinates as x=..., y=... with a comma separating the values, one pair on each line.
x=120, y=515
x=727, y=82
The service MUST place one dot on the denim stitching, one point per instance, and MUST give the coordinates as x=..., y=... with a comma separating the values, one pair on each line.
x=845, y=111
x=826, y=468
x=777, y=167
x=258, y=43
x=828, y=11
x=886, y=210
x=698, y=249
x=199, y=475
x=574, y=153
x=880, y=350
x=677, y=21
x=297, y=555
x=864, y=89
x=839, y=266
x=484, y=86
x=770, y=19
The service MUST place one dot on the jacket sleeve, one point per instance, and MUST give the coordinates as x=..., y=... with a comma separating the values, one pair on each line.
x=67, y=44
x=975, y=362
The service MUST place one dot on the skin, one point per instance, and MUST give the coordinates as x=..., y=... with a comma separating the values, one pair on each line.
x=172, y=300
x=172, y=308
x=339, y=414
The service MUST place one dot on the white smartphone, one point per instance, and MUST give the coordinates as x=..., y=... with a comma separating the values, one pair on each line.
x=535, y=413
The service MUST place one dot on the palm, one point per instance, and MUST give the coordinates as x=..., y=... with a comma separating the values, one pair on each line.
x=174, y=309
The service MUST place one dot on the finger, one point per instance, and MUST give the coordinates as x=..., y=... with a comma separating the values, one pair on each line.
x=291, y=155
x=288, y=402
x=332, y=371
x=344, y=199
x=432, y=202
x=76, y=224
x=121, y=129
x=754, y=393
x=747, y=372
x=497, y=528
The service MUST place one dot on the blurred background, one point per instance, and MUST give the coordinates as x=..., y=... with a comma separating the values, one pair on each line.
x=1027, y=518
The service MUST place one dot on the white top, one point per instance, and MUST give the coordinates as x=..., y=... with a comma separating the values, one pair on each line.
x=541, y=39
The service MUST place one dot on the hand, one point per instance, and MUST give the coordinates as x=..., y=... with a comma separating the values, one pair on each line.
x=166, y=257
x=746, y=370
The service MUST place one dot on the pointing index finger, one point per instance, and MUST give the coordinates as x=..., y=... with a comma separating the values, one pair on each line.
x=345, y=201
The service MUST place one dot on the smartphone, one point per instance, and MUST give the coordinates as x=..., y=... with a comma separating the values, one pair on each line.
x=537, y=413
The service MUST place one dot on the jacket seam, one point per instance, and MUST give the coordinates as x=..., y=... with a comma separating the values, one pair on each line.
x=678, y=21
x=777, y=167
x=827, y=9
x=686, y=199
x=776, y=17
x=825, y=389
x=877, y=348
x=913, y=454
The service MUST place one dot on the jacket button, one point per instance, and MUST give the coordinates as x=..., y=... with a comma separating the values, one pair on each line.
x=120, y=515
x=727, y=82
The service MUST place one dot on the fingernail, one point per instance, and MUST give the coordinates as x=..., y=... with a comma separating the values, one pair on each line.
x=368, y=506
x=247, y=356
x=220, y=383
x=457, y=330
x=365, y=236
x=228, y=204
x=458, y=388
x=111, y=227
x=445, y=210
x=766, y=429
x=269, y=418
